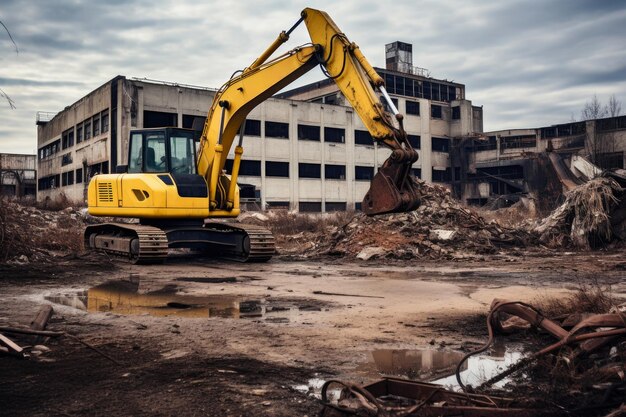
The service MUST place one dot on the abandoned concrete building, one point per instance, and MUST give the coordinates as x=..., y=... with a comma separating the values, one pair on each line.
x=507, y=164
x=305, y=149
x=18, y=175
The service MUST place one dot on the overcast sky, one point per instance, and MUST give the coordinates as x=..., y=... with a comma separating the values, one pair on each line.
x=529, y=63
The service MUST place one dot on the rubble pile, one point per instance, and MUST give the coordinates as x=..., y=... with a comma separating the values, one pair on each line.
x=593, y=215
x=441, y=228
x=28, y=234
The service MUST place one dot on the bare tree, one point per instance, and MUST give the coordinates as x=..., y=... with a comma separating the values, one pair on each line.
x=17, y=51
x=613, y=107
x=593, y=109
x=600, y=142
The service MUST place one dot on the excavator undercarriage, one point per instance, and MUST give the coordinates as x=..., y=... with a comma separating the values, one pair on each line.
x=150, y=243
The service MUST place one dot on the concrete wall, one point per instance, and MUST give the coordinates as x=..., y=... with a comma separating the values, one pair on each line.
x=79, y=156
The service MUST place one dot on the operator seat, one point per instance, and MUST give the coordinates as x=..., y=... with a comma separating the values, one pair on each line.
x=151, y=164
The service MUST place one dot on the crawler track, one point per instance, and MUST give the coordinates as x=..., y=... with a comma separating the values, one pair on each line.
x=144, y=244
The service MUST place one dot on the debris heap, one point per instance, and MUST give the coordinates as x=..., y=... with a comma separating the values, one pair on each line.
x=592, y=215
x=441, y=228
x=28, y=234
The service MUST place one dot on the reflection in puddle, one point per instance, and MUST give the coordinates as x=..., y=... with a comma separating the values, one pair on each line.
x=125, y=297
x=439, y=366
x=412, y=364
x=482, y=368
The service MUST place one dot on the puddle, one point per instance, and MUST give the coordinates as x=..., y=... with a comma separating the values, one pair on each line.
x=207, y=280
x=413, y=364
x=438, y=366
x=131, y=298
x=313, y=388
x=481, y=368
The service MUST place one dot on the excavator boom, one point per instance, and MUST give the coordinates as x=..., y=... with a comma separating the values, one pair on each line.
x=393, y=188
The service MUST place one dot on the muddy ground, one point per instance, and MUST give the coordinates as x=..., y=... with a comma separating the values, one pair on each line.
x=211, y=338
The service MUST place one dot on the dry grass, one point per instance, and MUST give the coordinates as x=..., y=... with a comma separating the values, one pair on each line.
x=282, y=222
x=589, y=297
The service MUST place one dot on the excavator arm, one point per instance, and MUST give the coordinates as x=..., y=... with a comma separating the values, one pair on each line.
x=393, y=188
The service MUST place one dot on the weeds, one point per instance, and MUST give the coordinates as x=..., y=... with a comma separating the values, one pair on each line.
x=283, y=222
x=590, y=297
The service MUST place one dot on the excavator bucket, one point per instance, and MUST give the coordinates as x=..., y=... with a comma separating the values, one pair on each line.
x=393, y=189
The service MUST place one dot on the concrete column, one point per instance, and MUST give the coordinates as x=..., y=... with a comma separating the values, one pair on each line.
x=179, y=108
x=349, y=162
x=322, y=160
x=426, y=142
x=294, y=189
x=263, y=145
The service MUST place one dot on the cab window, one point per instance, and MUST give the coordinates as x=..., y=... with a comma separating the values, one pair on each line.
x=135, y=158
x=155, y=156
x=183, y=159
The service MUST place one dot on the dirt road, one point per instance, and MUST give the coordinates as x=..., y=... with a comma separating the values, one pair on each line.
x=212, y=338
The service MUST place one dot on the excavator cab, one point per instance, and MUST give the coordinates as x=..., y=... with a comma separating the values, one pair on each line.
x=167, y=150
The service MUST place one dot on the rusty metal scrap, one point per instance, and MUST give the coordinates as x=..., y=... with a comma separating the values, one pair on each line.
x=588, y=334
x=393, y=397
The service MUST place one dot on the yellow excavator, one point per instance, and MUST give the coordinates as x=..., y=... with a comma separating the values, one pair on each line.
x=174, y=192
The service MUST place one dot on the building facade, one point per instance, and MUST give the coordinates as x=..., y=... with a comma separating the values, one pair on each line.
x=304, y=150
x=521, y=161
x=18, y=175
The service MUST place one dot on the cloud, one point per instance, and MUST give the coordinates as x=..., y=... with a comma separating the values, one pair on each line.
x=528, y=62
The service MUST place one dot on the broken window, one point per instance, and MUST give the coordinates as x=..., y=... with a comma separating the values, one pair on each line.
x=441, y=175
x=104, y=120
x=66, y=159
x=193, y=122
x=335, y=206
x=246, y=167
x=277, y=130
x=87, y=129
x=440, y=144
x=99, y=168
x=96, y=125
x=79, y=133
x=334, y=135
x=79, y=175
x=518, y=141
x=307, y=132
x=159, y=119
x=252, y=128
x=456, y=113
x=310, y=207
x=67, y=178
x=413, y=107
x=363, y=173
x=415, y=141
x=49, y=149
x=277, y=169
x=67, y=138
x=436, y=111
x=334, y=172
x=363, y=137
x=417, y=172
x=309, y=170
x=49, y=182
x=277, y=204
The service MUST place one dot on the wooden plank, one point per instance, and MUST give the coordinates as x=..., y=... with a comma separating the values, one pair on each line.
x=10, y=344
x=40, y=322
